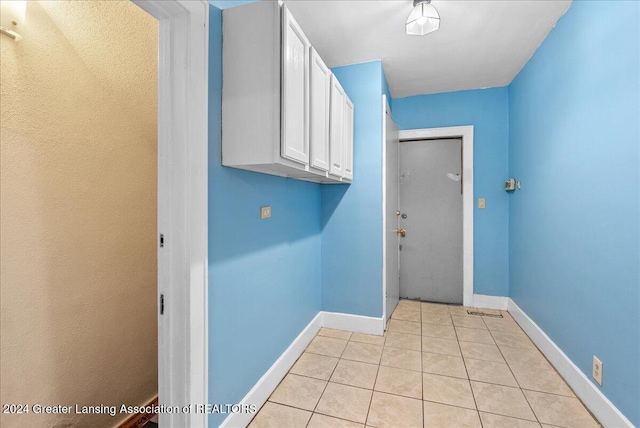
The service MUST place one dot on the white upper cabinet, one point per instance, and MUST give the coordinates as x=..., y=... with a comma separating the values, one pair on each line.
x=278, y=111
x=336, y=151
x=320, y=89
x=295, y=90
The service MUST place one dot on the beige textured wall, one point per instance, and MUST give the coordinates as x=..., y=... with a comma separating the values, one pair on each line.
x=78, y=102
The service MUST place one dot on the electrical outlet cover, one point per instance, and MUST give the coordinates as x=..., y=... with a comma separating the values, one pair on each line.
x=597, y=370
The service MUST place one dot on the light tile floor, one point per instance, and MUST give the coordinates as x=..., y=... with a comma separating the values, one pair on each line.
x=436, y=366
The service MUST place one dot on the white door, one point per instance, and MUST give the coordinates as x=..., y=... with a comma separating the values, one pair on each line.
x=336, y=149
x=320, y=98
x=295, y=90
x=431, y=212
x=391, y=216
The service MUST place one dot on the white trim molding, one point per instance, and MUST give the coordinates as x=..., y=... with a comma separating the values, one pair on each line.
x=270, y=380
x=466, y=134
x=183, y=59
x=483, y=301
x=385, y=107
x=354, y=323
x=606, y=412
x=386, y=110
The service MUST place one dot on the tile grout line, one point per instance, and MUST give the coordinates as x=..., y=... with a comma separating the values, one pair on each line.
x=473, y=395
x=280, y=383
x=520, y=419
x=516, y=379
x=421, y=372
x=329, y=381
x=553, y=369
x=373, y=389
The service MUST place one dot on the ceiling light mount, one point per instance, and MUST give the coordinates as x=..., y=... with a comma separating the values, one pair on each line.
x=12, y=17
x=423, y=19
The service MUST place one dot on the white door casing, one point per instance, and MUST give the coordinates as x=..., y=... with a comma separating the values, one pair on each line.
x=390, y=204
x=466, y=134
x=182, y=205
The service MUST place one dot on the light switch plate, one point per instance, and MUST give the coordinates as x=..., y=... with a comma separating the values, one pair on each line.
x=481, y=203
x=265, y=212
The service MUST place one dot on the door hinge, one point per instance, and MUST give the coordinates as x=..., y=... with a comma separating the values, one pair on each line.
x=161, y=240
x=161, y=304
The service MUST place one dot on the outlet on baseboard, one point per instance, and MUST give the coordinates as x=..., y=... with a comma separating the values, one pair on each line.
x=597, y=370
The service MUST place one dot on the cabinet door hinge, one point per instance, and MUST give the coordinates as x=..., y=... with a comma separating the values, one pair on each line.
x=161, y=240
x=162, y=304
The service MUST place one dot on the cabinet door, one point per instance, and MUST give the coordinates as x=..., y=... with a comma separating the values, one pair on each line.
x=295, y=78
x=336, y=124
x=348, y=138
x=320, y=97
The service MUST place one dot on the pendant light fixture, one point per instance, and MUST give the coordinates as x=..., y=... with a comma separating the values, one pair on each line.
x=423, y=19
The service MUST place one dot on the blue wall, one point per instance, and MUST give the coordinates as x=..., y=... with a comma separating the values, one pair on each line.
x=575, y=225
x=385, y=88
x=487, y=110
x=352, y=214
x=264, y=275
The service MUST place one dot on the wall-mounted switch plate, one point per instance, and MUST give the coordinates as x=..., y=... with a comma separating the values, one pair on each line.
x=597, y=370
x=265, y=212
x=481, y=203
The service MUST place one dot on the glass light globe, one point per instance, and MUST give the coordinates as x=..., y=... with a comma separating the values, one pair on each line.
x=423, y=19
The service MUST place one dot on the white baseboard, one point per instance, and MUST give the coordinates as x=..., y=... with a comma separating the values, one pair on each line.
x=270, y=380
x=490, y=302
x=591, y=396
x=354, y=323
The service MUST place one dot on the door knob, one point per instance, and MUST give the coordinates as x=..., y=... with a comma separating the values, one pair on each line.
x=401, y=232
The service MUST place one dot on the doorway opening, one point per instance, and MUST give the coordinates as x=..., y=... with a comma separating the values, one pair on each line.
x=431, y=220
x=79, y=183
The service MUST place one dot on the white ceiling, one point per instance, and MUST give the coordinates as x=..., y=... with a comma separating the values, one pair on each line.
x=480, y=44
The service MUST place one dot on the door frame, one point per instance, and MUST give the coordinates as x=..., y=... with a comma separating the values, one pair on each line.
x=183, y=59
x=466, y=134
x=385, y=108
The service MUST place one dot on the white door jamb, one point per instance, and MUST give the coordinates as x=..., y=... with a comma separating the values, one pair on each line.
x=182, y=205
x=385, y=108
